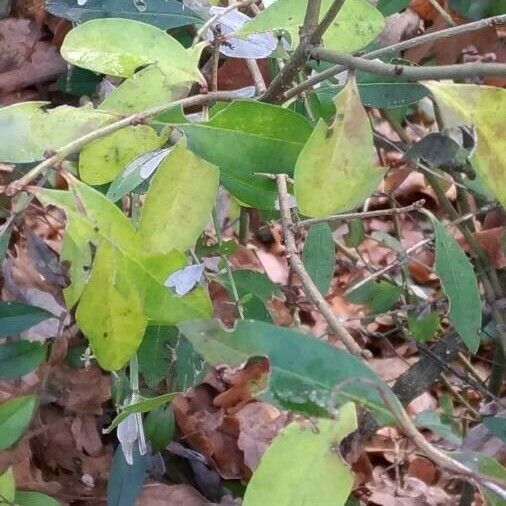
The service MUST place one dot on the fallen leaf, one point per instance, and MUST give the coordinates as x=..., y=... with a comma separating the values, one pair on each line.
x=159, y=494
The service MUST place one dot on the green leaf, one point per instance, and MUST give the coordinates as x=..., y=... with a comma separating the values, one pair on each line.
x=164, y=14
x=487, y=466
x=423, y=327
x=247, y=137
x=179, y=202
x=141, y=406
x=496, y=425
x=119, y=47
x=15, y=317
x=356, y=24
x=7, y=487
x=159, y=426
x=102, y=160
x=378, y=295
x=29, y=498
x=430, y=419
x=387, y=7
x=5, y=237
x=79, y=82
x=94, y=218
x=318, y=255
x=113, y=321
x=154, y=352
x=483, y=107
x=460, y=286
x=356, y=233
x=335, y=170
x=125, y=481
x=28, y=130
x=255, y=290
x=306, y=374
x=320, y=477
x=20, y=357
x=15, y=416
x=150, y=87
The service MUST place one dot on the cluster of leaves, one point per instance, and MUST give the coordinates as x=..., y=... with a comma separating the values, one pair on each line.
x=130, y=276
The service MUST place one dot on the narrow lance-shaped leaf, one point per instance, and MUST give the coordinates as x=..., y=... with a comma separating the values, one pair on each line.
x=15, y=416
x=335, y=170
x=319, y=255
x=306, y=374
x=119, y=47
x=303, y=464
x=179, y=201
x=15, y=317
x=460, y=286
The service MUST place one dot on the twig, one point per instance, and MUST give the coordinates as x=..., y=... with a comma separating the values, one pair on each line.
x=458, y=71
x=309, y=287
x=395, y=48
x=435, y=454
x=134, y=119
x=230, y=276
x=256, y=74
x=311, y=35
x=415, y=247
x=443, y=13
x=216, y=17
x=364, y=215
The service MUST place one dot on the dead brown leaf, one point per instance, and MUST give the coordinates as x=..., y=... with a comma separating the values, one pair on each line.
x=259, y=423
x=159, y=494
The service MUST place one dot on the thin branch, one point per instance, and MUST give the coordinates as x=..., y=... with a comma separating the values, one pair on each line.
x=233, y=6
x=311, y=35
x=441, y=458
x=134, y=119
x=396, y=48
x=256, y=75
x=309, y=287
x=364, y=215
x=459, y=71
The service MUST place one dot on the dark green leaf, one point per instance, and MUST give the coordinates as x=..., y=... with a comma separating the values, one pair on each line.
x=154, y=352
x=431, y=420
x=387, y=7
x=379, y=296
x=423, y=327
x=141, y=406
x=496, y=425
x=485, y=465
x=79, y=82
x=29, y=498
x=159, y=427
x=306, y=373
x=459, y=283
x=356, y=233
x=15, y=416
x=164, y=14
x=125, y=481
x=318, y=255
x=247, y=137
x=15, y=317
x=19, y=358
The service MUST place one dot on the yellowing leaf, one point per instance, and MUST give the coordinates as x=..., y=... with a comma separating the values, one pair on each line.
x=102, y=160
x=356, y=24
x=335, y=170
x=119, y=47
x=303, y=464
x=179, y=201
x=113, y=322
x=484, y=107
x=150, y=87
x=7, y=487
x=27, y=130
